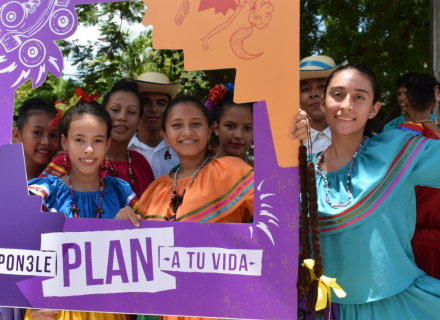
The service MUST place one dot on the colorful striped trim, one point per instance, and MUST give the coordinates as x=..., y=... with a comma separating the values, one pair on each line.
x=229, y=196
x=414, y=127
x=214, y=214
x=38, y=190
x=54, y=170
x=409, y=130
x=131, y=200
x=375, y=198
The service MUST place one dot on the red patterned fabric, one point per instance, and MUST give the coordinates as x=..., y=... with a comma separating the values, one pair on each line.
x=426, y=240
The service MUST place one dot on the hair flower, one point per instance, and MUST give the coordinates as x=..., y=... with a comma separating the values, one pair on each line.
x=230, y=87
x=209, y=104
x=217, y=93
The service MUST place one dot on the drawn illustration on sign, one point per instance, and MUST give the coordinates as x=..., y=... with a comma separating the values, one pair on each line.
x=260, y=14
x=20, y=25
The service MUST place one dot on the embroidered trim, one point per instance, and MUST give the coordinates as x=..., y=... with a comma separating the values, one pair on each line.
x=235, y=189
x=377, y=195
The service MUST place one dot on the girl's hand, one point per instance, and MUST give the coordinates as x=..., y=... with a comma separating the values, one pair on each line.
x=127, y=213
x=299, y=131
x=44, y=314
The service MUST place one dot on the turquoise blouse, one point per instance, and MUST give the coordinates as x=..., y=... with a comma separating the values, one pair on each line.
x=367, y=245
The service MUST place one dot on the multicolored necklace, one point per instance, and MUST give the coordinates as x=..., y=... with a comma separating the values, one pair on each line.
x=75, y=209
x=130, y=169
x=177, y=200
x=319, y=159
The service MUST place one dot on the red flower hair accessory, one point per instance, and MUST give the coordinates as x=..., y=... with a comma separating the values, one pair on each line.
x=79, y=96
x=217, y=93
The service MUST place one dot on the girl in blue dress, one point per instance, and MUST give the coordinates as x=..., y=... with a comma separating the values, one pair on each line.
x=362, y=213
x=82, y=193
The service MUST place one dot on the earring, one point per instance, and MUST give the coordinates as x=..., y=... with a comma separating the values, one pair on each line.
x=209, y=151
x=167, y=154
x=106, y=165
x=66, y=161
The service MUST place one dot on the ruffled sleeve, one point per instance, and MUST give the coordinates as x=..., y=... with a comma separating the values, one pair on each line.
x=222, y=191
x=51, y=189
x=121, y=190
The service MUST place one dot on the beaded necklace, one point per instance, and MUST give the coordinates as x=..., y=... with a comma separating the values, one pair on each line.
x=177, y=200
x=130, y=170
x=319, y=159
x=75, y=209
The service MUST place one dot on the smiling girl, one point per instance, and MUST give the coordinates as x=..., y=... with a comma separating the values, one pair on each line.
x=233, y=124
x=364, y=217
x=39, y=140
x=82, y=193
x=198, y=187
x=125, y=108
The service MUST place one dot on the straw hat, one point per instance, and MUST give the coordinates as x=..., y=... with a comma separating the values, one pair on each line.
x=156, y=82
x=317, y=67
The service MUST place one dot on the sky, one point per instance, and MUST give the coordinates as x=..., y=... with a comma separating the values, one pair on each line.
x=90, y=33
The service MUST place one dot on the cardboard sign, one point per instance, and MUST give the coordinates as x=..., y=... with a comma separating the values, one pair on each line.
x=235, y=271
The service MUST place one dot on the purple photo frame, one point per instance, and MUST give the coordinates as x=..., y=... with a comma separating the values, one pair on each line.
x=255, y=264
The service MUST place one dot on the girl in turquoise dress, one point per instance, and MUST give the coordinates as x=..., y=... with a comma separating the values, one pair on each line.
x=82, y=193
x=366, y=213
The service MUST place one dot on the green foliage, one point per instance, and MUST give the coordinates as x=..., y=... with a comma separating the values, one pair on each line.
x=390, y=37
x=118, y=53
x=51, y=90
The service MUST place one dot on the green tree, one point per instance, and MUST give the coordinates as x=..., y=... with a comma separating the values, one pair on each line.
x=390, y=37
x=51, y=90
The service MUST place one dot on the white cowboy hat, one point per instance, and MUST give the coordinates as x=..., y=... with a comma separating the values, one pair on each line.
x=317, y=67
x=156, y=82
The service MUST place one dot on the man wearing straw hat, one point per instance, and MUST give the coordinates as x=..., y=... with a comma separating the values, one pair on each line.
x=156, y=92
x=314, y=71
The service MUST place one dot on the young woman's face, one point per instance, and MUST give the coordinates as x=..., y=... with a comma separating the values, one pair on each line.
x=349, y=102
x=39, y=140
x=187, y=130
x=124, y=109
x=86, y=144
x=235, y=130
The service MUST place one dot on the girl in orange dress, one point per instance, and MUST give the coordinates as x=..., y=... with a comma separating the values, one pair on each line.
x=202, y=189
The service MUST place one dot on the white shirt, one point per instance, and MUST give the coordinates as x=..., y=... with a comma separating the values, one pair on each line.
x=320, y=140
x=155, y=156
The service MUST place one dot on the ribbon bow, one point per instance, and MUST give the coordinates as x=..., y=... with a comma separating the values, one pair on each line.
x=62, y=108
x=84, y=97
x=324, y=285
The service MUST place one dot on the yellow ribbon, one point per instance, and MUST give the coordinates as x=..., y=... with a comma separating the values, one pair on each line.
x=324, y=285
